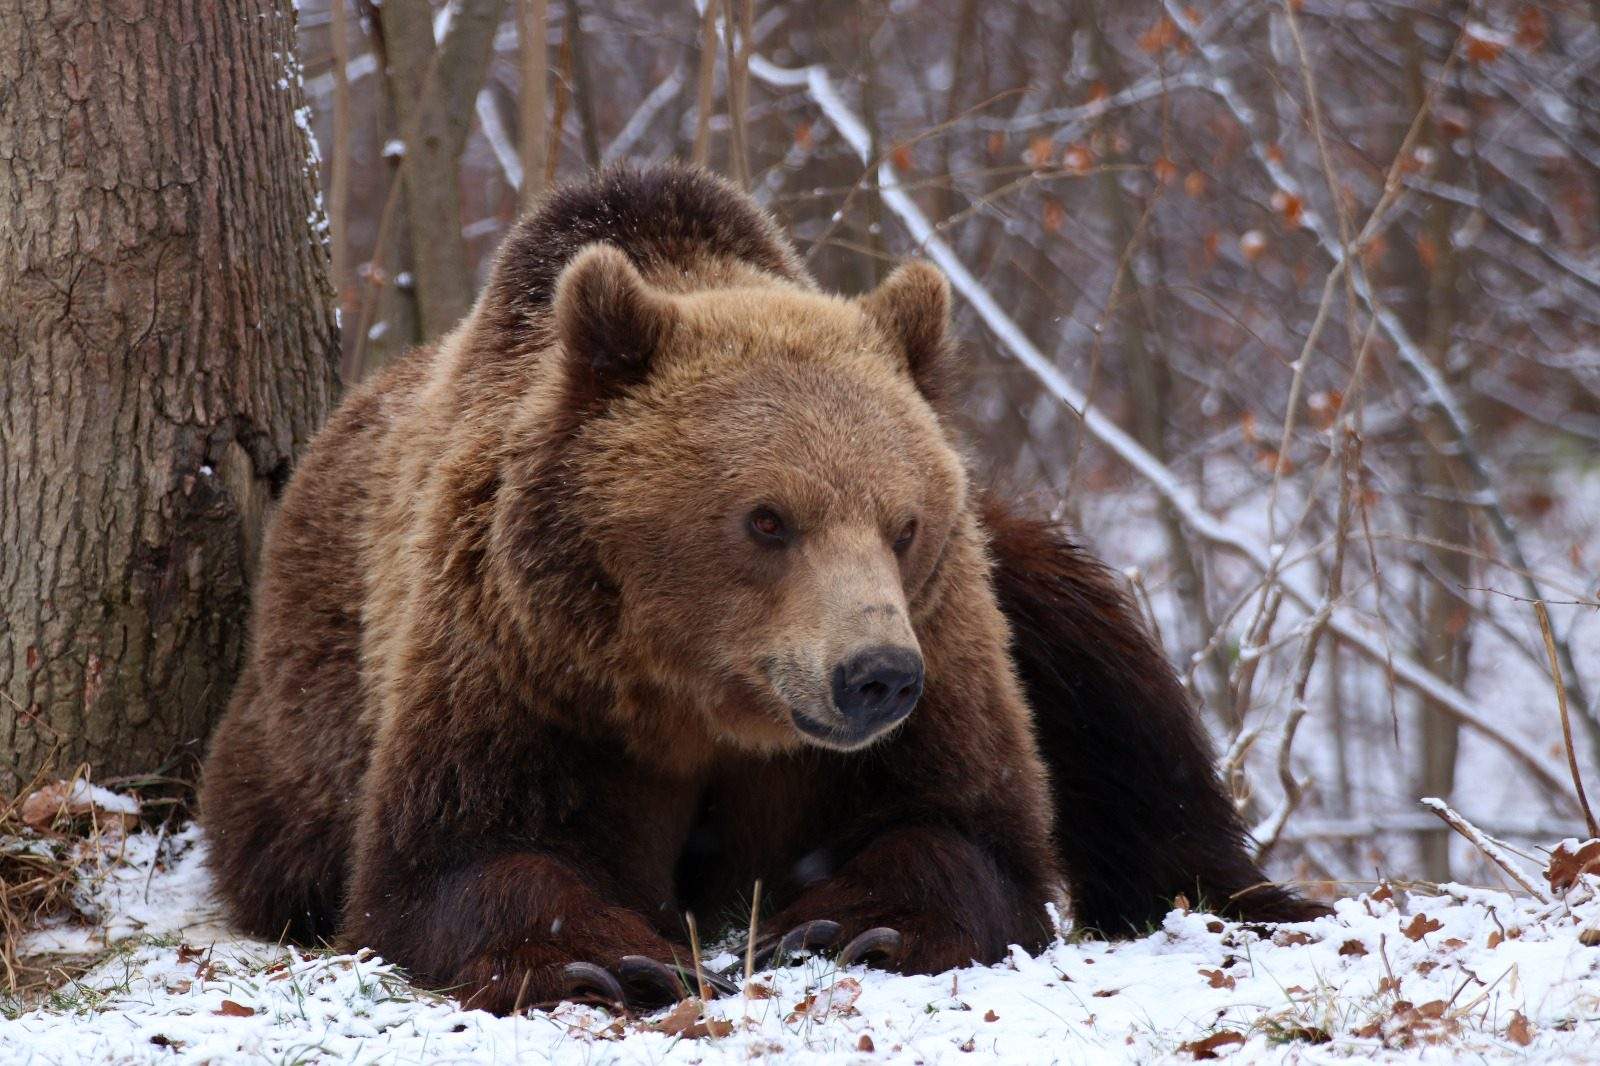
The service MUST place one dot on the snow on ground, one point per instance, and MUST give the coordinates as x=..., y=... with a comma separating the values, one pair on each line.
x=1394, y=977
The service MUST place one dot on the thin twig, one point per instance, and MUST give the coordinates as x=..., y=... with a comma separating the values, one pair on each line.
x=694, y=949
x=750, y=941
x=339, y=164
x=1293, y=790
x=1543, y=615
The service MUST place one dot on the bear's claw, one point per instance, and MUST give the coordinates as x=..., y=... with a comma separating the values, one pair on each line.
x=641, y=983
x=812, y=936
x=586, y=980
x=882, y=943
x=650, y=983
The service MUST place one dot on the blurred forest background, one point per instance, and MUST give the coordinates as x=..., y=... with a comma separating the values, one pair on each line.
x=1292, y=308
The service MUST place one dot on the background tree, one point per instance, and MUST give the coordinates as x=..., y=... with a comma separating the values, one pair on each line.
x=167, y=346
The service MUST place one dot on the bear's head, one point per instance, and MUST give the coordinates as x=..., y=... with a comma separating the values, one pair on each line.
x=765, y=479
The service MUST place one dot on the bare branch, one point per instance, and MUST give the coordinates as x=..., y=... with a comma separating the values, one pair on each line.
x=1490, y=849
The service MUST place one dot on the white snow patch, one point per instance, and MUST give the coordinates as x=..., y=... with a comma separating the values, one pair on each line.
x=1413, y=979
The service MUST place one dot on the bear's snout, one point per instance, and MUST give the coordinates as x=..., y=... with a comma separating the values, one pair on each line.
x=878, y=686
x=875, y=688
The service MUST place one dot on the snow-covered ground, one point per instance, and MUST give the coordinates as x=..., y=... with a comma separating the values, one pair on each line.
x=1395, y=977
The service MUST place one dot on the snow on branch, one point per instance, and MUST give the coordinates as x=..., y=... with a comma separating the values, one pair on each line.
x=1494, y=852
x=817, y=83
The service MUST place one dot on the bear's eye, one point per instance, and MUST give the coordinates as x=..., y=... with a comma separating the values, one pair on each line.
x=767, y=527
x=903, y=539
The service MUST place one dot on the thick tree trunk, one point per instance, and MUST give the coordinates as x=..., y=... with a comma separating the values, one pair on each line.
x=167, y=346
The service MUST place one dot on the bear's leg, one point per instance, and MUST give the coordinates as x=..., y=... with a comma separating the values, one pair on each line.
x=278, y=865
x=512, y=863
x=1141, y=816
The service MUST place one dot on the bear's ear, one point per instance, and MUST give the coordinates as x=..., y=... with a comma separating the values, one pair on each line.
x=912, y=305
x=610, y=322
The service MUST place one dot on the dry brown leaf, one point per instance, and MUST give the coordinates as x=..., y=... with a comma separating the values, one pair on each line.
x=1568, y=864
x=1520, y=1031
x=1353, y=947
x=1207, y=1048
x=1218, y=979
x=1040, y=151
x=865, y=1044
x=70, y=800
x=1532, y=28
x=1483, y=49
x=1420, y=926
x=685, y=1020
x=838, y=998
x=1077, y=159
x=230, y=1009
x=1159, y=37
x=1290, y=206
x=683, y=1014
x=990, y=1016
x=1055, y=215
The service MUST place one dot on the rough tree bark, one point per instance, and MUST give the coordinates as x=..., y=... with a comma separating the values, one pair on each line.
x=167, y=346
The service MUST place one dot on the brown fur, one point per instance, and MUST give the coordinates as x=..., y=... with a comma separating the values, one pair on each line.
x=523, y=690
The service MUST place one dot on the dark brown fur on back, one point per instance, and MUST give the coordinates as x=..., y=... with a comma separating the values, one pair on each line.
x=1140, y=814
x=505, y=707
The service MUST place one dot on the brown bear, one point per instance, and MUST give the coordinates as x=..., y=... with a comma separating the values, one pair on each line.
x=662, y=573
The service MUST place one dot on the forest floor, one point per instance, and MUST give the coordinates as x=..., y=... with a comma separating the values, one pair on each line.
x=1397, y=976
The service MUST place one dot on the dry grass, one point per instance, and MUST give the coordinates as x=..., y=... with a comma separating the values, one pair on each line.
x=44, y=852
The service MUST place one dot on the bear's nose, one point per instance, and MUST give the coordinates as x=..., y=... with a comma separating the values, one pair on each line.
x=877, y=687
